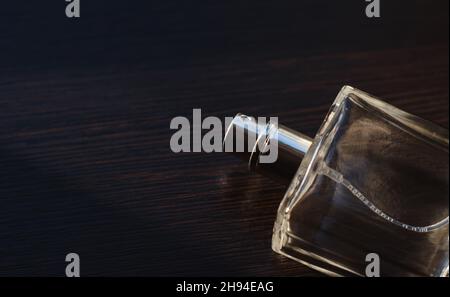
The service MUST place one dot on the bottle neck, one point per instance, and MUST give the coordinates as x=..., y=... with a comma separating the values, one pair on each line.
x=292, y=146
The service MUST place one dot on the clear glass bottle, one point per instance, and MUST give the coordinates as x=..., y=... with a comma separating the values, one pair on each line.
x=375, y=179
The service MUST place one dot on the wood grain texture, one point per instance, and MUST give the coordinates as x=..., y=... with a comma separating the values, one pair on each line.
x=86, y=105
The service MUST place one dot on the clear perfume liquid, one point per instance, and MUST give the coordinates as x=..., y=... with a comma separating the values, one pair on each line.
x=375, y=180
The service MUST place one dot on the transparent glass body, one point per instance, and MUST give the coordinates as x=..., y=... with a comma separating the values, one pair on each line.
x=375, y=180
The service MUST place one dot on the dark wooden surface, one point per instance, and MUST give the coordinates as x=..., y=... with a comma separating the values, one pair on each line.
x=86, y=104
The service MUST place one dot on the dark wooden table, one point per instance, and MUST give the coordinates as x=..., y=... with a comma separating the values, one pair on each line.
x=86, y=103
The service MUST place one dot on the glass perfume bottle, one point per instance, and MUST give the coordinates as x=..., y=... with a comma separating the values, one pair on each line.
x=374, y=179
